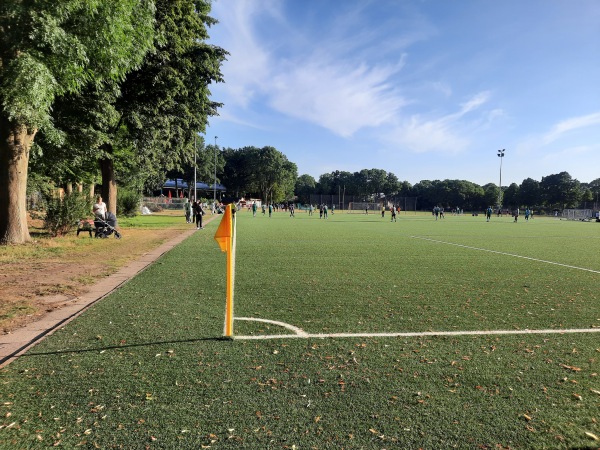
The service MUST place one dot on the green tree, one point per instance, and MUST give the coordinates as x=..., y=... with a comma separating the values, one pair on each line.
x=511, y=196
x=49, y=49
x=237, y=175
x=529, y=193
x=490, y=194
x=272, y=174
x=594, y=186
x=149, y=120
x=561, y=190
x=305, y=186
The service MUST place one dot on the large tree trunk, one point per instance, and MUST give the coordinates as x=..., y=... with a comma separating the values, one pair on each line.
x=109, y=183
x=15, y=142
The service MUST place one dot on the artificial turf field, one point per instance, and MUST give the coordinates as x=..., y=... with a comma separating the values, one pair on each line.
x=363, y=367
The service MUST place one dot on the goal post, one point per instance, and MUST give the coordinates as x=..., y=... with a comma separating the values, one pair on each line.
x=362, y=207
x=577, y=214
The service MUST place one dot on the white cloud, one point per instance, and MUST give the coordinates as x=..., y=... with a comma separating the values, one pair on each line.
x=332, y=86
x=574, y=123
x=448, y=133
x=550, y=141
x=338, y=97
x=248, y=63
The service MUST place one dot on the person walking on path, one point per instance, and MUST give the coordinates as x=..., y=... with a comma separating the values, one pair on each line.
x=199, y=212
x=187, y=206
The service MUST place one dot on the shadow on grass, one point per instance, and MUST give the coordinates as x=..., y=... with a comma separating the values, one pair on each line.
x=124, y=346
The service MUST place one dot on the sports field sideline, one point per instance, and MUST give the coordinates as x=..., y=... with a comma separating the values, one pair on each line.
x=385, y=352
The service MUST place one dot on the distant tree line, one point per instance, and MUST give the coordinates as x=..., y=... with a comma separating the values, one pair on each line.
x=556, y=191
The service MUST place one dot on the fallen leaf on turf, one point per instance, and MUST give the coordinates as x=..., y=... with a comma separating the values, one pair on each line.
x=577, y=396
x=573, y=368
x=595, y=391
x=592, y=436
x=373, y=431
x=528, y=418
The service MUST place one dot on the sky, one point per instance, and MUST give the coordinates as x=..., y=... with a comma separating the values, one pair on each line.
x=425, y=89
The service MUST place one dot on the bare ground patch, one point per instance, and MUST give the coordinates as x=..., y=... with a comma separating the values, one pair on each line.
x=47, y=274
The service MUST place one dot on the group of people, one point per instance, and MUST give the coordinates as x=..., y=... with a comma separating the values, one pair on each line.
x=193, y=213
x=516, y=212
x=394, y=210
x=438, y=212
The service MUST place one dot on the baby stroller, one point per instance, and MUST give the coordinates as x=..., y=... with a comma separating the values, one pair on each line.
x=104, y=228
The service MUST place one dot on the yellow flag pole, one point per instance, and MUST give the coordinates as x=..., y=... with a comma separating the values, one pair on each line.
x=229, y=290
x=224, y=237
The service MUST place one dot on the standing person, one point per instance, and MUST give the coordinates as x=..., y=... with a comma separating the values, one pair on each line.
x=310, y=210
x=325, y=211
x=270, y=209
x=264, y=210
x=199, y=212
x=488, y=214
x=382, y=211
x=393, y=210
x=253, y=209
x=321, y=211
x=292, y=210
x=99, y=208
x=332, y=209
x=527, y=213
x=367, y=209
x=187, y=206
x=516, y=214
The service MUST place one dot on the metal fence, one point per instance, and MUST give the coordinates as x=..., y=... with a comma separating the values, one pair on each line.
x=343, y=202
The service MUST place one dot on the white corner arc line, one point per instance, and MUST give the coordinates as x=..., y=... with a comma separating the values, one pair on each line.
x=506, y=254
x=298, y=332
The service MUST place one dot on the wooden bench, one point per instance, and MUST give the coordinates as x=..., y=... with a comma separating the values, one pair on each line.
x=86, y=225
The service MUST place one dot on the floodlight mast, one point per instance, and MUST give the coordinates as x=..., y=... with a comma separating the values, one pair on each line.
x=501, y=156
x=215, y=182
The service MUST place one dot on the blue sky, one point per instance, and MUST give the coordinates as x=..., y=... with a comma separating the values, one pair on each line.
x=426, y=89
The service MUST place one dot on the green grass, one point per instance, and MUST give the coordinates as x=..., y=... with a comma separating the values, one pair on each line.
x=146, y=368
x=160, y=220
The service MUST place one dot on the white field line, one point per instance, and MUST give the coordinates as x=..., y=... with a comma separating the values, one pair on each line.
x=299, y=333
x=506, y=254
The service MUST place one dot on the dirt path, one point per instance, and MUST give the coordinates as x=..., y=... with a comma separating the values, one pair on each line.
x=49, y=274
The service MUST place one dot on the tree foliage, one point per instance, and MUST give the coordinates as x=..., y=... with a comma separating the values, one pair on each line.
x=49, y=49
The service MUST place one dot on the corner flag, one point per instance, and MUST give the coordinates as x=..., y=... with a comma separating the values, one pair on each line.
x=224, y=232
x=224, y=237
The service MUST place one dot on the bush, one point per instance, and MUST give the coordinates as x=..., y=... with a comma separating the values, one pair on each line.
x=63, y=214
x=128, y=203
